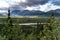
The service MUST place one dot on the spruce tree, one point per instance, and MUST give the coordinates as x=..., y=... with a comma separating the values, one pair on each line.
x=17, y=31
x=7, y=29
x=51, y=21
x=49, y=30
x=51, y=27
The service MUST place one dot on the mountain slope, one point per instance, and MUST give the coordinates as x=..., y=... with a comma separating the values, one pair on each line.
x=34, y=13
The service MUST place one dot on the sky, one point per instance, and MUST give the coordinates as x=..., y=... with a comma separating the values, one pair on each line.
x=41, y=5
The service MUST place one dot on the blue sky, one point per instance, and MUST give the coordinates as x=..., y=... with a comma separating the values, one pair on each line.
x=42, y=5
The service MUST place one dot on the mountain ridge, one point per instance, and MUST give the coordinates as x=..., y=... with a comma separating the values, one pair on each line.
x=35, y=13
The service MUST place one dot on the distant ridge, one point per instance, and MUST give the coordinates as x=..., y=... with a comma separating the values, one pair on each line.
x=34, y=13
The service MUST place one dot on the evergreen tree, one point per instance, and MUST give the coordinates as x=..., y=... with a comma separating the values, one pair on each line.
x=51, y=21
x=51, y=27
x=17, y=31
x=7, y=30
x=48, y=31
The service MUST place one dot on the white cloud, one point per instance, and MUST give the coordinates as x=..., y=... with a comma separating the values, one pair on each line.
x=46, y=7
x=19, y=1
x=3, y=4
x=32, y=8
x=14, y=2
x=9, y=3
x=2, y=11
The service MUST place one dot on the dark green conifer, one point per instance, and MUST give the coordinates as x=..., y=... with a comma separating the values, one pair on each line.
x=7, y=29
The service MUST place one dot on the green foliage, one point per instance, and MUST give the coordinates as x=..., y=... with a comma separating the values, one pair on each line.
x=7, y=29
x=3, y=38
x=22, y=36
x=31, y=37
x=52, y=27
x=14, y=31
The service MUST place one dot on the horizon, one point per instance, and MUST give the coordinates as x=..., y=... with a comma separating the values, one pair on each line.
x=41, y=5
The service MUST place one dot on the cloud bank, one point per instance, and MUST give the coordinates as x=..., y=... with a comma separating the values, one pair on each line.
x=42, y=5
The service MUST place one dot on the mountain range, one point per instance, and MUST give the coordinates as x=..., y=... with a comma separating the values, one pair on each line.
x=35, y=13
